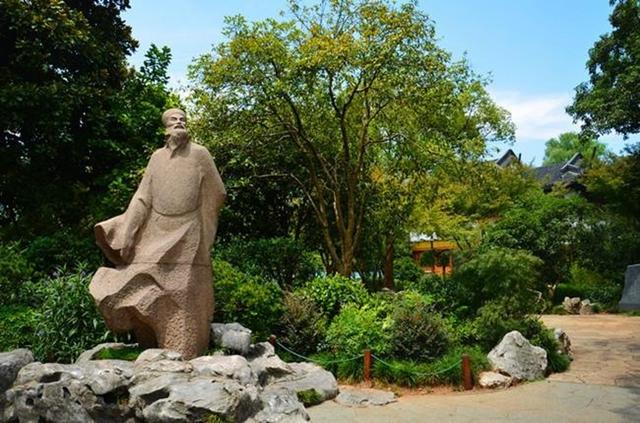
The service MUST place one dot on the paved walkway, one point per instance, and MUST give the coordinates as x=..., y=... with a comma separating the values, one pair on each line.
x=603, y=385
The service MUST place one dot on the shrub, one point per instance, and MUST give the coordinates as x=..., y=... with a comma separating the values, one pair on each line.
x=358, y=328
x=500, y=275
x=302, y=326
x=69, y=322
x=556, y=362
x=331, y=293
x=283, y=260
x=17, y=327
x=406, y=270
x=15, y=272
x=567, y=290
x=417, y=333
x=494, y=321
x=250, y=300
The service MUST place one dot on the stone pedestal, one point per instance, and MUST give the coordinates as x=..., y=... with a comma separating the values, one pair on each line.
x=631, y=295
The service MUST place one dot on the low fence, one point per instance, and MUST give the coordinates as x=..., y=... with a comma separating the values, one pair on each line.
x=368, y=358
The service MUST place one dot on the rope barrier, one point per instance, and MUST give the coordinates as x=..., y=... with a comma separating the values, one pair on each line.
x=416, y=373
x=344, y=360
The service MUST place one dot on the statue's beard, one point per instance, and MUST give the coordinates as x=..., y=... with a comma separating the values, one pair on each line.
x=177, y=136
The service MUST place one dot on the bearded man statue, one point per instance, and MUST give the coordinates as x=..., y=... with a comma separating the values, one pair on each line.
x=161, y=287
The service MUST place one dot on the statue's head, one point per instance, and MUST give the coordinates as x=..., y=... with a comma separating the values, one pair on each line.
x=175, y=124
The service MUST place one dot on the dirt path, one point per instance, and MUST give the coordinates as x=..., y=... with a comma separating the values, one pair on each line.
x=606, y=349
x=603, y=385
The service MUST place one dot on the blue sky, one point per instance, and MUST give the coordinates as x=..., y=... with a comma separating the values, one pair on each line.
x=534, y=51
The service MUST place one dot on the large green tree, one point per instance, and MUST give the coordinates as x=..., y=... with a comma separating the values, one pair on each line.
x=330, y=93
x=561, y=149
x=609, y=100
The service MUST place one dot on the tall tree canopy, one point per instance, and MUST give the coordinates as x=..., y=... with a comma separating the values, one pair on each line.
x=73, y=111
x=559, y=150
x=335, y=93
x=610, y=100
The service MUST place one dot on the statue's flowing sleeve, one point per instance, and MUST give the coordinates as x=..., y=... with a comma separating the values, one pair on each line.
x=114, y=234
x=213, y=196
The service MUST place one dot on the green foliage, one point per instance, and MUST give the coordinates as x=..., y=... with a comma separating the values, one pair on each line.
x=127, y=353
x=15, y=272
x=560, y=150
x=17, y=327
x=556, y=362
x=302, y=326
x=62, y=248
x=443, y=371
x=68, y=320
x=250, y=300
x=310, y=397
x=405, y=270
x=568, y=290
x=609, y=100
x=358, y=328
x=495, y=320
x=342, y=91
x=331, y=293
x=281, y=259
x=499, y=275
x=418, y=332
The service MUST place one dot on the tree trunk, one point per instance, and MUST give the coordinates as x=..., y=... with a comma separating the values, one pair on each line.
x=388, y=263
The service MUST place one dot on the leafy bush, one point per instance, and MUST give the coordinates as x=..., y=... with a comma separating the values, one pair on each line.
x=494, y=321
x=568, y=290
x=556, y=362
x=17, y=327
x=64, y=248
x=69, y=322
x=15, y=272
x=406, y=270
x=302, y=326
x=283, y=260
x=250, y=300
x=358, y=328
x=500, y=275
x=417, y=332
x=331, y=293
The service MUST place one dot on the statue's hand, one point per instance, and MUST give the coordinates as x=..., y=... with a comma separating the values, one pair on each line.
x=127, y=251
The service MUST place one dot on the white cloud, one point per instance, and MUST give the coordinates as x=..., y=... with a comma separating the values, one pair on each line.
x=537, y=117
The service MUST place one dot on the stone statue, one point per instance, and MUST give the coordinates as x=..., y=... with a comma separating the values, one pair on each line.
x=161, y=287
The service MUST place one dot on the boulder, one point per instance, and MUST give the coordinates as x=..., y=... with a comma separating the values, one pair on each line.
x=565, y=343
x=200, y=398
x=157, y=354
x=265, y=364
x=232, y=337
x=493, y=380
x=586, y=307
x=571, y=305
x=280, y=406
x=630, y=300
x=516, y=357
x=306, y=377
x=10, y=364
x=93, y=352
x=365, y=397
x=221, y=366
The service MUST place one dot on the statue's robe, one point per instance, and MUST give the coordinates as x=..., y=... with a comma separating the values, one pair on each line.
x=164, y=291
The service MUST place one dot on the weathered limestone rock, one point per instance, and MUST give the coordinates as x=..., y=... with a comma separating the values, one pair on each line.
x=265, y=364
x=365, y=397
x=157, y=354
x=571, y=305
x=631, y=294
x=10, y=364
x=586, y=307
x=493, y=380
x=233, y=367
x=280, y=406
x=199, y=398
x=161, y=287
x=232, y=336
x=564, y=342
x=93, y=352
x=306, y=377
x=516, y=357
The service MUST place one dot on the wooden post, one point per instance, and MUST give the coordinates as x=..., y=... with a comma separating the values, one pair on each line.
x=367, y=365
x=466, y=372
